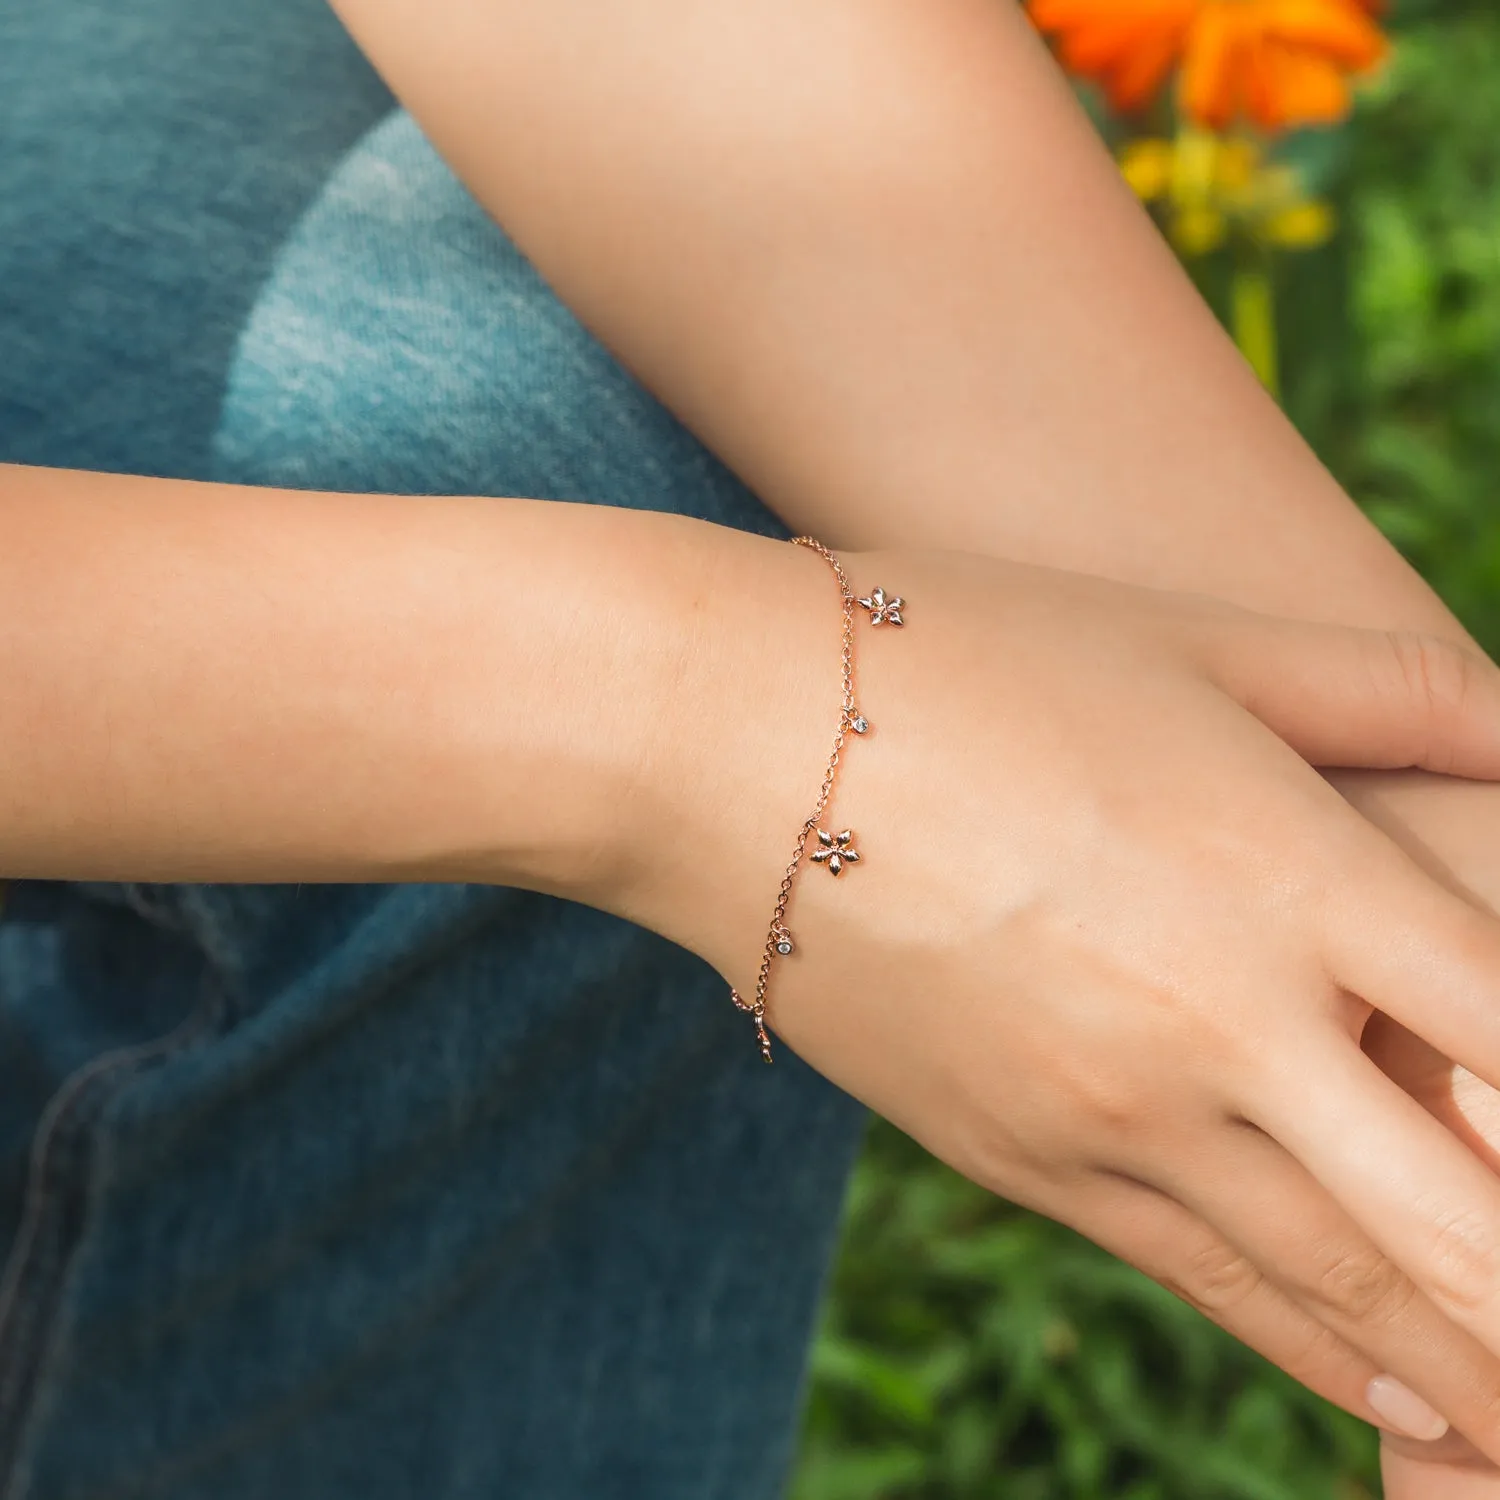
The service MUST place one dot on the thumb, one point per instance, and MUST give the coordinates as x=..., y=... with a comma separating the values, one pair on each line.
x=1383, y=699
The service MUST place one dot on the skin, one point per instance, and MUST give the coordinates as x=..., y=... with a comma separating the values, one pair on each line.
x=917, y=220
x=1459, y=852
x=903, y=291
x=1109, y=875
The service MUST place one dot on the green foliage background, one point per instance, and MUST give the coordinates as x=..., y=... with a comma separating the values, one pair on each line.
x=972, y=1351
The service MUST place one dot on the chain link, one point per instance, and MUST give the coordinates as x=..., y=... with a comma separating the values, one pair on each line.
x=777, y=933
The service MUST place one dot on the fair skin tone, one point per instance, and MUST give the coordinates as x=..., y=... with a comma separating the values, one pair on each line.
x=1460, y=851
x=1096, y=854
x=900, y=289
x=913, y=221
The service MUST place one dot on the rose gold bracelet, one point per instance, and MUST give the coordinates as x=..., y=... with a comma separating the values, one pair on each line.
x=835, y=851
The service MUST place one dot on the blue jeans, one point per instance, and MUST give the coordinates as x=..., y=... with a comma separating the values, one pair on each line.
x=356, y=1191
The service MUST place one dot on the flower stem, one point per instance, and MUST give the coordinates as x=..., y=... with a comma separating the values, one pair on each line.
x=1252, y=314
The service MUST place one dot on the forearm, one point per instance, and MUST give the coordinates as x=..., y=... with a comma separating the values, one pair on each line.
x=207, y=682
x=873, y=252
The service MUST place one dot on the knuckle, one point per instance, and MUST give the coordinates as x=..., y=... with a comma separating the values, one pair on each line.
x=1361, y=1286
x=1465, y=1262
x=1106, y=1104
x=1436, y=674
x=1011, y=1162
x=1216, y=1279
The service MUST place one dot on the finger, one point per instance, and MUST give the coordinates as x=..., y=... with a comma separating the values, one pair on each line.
x=1346, y=697
x=1452, y=1468
x=1462, y=1103
x=1425, y=1201
x=1422, y=955
x=1193, y=1261
x=1272, y=1212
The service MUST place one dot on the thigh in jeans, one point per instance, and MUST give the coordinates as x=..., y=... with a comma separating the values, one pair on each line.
x=467, y=1191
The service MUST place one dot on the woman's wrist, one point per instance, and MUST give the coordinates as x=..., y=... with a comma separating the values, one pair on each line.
x=731, y=762
x=649, y=688
x=204, y=682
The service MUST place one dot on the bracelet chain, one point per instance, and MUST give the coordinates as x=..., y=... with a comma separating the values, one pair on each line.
x=835, y=850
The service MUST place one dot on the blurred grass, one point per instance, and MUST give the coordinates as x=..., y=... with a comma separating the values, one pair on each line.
x=972, y=1351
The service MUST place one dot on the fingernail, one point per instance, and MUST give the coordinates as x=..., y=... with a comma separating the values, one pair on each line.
x=1402, y=1410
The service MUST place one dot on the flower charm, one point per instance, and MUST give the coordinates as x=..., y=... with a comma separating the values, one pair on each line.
x=883, y=611
x=835, y=851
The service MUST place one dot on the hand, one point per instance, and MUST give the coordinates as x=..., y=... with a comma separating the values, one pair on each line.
x=1459, y=839
x=1451, y=1468
x=1112, y=943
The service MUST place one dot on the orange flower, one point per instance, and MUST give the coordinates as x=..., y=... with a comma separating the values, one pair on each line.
x=1129, y=46
x=1278, y=63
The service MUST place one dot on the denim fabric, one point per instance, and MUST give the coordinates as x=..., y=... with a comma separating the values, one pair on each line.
x=153, y=156
x=381, y=1191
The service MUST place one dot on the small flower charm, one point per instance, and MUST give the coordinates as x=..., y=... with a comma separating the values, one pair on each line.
x=883, y=611
x=783, y=940
x=835, y=851
x=858, y=723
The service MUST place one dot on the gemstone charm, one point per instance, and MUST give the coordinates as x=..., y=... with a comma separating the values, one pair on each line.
x=859, y=724
x=835, y=850
x=784, y=944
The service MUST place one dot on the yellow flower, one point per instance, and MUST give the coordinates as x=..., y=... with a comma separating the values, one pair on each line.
x=1302, y=226
x=1210, y=186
